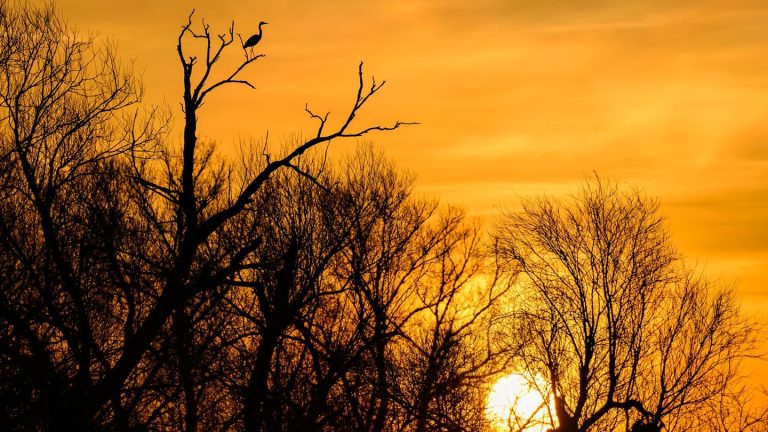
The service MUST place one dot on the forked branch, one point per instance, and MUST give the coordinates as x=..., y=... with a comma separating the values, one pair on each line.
x=363, y=94
x=213, y=52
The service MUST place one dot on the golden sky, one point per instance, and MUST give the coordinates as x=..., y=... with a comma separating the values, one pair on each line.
x=514, y=98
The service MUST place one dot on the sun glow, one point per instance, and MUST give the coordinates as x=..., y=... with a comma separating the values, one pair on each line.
x=515, y=403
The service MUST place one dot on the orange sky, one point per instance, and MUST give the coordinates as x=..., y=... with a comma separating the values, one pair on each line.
x=514, y=97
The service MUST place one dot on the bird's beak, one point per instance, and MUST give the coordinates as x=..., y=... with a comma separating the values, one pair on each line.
x=266, y=23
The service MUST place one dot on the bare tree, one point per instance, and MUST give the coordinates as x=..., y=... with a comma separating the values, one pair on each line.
x=93, y=320
x=626, y=336
x=59, y=94
x=451, y=347
x=358, y=275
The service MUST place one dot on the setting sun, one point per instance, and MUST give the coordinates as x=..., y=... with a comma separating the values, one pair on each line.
x=515, y=403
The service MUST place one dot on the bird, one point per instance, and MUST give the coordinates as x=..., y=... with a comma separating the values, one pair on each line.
x=253, y=40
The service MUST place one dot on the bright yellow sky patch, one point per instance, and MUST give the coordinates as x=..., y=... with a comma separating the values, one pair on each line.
x=516, y=403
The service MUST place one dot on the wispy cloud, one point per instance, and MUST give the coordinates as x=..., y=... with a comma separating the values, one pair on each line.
x=514, y=97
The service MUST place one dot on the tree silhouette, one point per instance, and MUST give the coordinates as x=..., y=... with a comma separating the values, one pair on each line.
x=626, y=335
x=111, y=243
x=334, y=312
x=59, y=95
x=149, y=285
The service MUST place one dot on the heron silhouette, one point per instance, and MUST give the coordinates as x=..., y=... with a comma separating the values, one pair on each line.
x=253, y=40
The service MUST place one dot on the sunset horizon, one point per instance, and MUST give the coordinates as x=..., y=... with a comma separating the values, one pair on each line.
x=514, y=145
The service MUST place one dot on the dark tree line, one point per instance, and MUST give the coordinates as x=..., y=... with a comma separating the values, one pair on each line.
x=149, y=287
x=146, y=285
